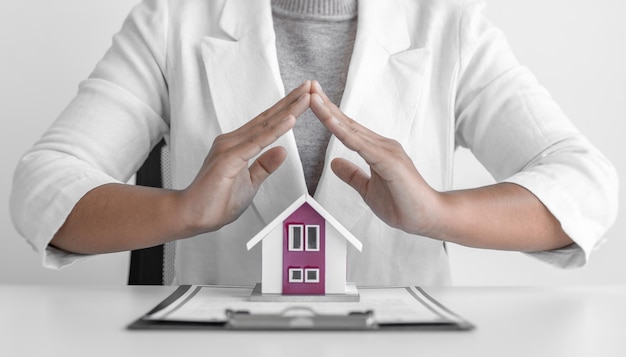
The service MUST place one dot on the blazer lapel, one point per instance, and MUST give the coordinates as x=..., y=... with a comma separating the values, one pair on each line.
x=382, y=92
x=244, y=80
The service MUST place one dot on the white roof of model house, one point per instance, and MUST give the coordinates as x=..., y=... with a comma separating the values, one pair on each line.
x=292, y=208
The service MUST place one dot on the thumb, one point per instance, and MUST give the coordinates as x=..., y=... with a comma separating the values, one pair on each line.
x=351, y=174
x=266, y=164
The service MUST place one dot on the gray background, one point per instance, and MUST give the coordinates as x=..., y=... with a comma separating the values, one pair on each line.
x=575, y=47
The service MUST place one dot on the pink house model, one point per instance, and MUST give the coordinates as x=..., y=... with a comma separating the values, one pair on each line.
x=304, y=253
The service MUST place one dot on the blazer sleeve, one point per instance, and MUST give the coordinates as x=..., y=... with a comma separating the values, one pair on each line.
x=105, y=133
x=517, y=131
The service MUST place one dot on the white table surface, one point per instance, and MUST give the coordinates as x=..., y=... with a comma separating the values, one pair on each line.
x=510, y=321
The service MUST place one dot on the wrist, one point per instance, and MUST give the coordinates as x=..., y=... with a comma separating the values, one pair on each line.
x=192, y=219
x=203, y=215
x=434, y=219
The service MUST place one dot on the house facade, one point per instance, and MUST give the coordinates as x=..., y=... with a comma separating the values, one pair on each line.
x=304, y=251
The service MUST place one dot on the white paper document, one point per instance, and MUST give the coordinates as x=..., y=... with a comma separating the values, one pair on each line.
x=396, y=306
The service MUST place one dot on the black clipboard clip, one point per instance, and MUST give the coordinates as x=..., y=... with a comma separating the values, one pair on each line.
x=299, y=318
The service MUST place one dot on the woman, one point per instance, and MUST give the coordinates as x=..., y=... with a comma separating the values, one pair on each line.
x=414, y=79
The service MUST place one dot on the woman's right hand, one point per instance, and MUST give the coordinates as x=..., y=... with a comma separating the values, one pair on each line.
x=226, y=184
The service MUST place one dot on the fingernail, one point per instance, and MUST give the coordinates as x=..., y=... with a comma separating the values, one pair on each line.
x=318, y=86
x=303, y=83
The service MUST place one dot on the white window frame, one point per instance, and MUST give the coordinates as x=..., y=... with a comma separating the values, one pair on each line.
x=306, y=275
x=294, y=280
x=317, y=237
x=291, y=247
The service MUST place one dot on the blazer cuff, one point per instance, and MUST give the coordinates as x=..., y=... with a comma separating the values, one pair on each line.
x=55, y=215
x=584, y=231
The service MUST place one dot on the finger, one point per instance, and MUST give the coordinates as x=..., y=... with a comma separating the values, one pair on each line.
x=285, y=104
x=353, y=135
x=351, y=174
x=316, y=88
x=295, y=108
x=266, y=164
x=253, y=144
x=249, y=141
x=258, y=137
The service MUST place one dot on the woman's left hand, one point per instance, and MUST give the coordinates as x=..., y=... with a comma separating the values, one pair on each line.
x=395, y=191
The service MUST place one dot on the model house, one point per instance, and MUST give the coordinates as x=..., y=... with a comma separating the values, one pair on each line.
x=304, y=252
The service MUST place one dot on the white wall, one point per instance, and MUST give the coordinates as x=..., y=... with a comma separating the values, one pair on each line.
x=47, y=47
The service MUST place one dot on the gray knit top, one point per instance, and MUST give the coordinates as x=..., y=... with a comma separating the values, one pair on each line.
x=314, y=40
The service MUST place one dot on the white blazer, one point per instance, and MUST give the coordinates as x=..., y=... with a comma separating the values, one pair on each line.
x=431, y=74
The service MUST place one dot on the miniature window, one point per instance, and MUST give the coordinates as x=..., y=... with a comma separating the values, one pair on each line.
x=295, y=275
x=295, y=237
x=312, y=275
x=313, y=238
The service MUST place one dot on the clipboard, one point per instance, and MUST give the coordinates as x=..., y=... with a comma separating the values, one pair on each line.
x=199, y=307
